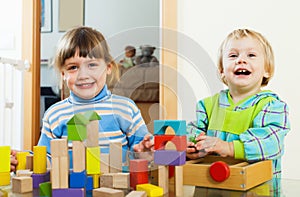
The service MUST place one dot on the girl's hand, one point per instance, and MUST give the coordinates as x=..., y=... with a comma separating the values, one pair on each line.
x=192, y=152
x=13, y=160
x=145, y=145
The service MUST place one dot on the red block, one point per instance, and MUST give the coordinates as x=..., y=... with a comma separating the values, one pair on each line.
x=138, y=178
x=138, y=165
x=161, y=140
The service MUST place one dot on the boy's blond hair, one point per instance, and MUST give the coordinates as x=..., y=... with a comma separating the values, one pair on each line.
x=268, y=51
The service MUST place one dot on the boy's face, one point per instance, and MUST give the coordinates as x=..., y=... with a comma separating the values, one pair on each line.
x=85, y=77
x=244, y=64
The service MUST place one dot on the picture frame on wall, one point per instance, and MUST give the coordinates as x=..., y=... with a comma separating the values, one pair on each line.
x=46, y=16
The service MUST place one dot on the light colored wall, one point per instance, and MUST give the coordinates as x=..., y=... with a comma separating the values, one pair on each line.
x=208, y=22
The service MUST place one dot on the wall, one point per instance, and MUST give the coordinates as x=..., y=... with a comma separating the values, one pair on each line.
x=208, y=22
x=10, y=47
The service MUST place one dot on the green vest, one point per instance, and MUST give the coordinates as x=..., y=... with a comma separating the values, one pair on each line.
x=227, y=120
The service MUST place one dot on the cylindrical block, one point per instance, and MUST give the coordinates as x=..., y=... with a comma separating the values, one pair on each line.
x=39, y=159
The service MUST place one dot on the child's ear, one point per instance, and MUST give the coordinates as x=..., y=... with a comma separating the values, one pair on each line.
x=63, y=76
x=267, y=75
x=109, y=69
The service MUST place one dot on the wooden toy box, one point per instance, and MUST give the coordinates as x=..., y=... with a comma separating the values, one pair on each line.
x=242, y=175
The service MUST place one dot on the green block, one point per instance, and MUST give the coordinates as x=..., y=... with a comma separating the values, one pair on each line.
x=77, y=132
x=45, y=189
x=92, y=115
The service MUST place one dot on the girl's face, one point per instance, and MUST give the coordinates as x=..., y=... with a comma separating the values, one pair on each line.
x=244, y=64
x=85, y=77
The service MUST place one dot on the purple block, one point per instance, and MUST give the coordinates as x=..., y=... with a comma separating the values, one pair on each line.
x=169, y=157
x=40, y=178
x=68, y=192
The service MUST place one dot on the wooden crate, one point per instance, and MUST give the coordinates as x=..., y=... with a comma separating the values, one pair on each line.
x=243, y=175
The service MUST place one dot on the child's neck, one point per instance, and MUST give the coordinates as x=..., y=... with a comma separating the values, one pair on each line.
x=238, y=95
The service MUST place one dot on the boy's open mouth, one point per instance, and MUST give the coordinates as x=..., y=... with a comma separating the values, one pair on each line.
x=242, y=72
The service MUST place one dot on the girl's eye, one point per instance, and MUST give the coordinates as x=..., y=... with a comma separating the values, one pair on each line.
x=252, y=55
x=70, y=68
x=93, y=65
x=232, y=55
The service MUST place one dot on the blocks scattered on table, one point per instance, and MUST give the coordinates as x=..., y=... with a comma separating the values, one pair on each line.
x=45, y=189
x=179, y=126
x=137, y=194
x=4, y=178
x=107, y=192
x=40, y=178
x=65, y=192
x=169, y=157
x=151, y=190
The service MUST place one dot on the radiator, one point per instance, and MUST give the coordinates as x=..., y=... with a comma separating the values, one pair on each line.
x=11, y=102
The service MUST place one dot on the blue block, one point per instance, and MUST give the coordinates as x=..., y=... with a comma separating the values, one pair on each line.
x=78, y=179
x=169, y=157
x=89, y=183
x=179, y=127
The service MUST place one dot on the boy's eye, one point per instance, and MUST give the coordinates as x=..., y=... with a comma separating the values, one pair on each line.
x=232, y=55
x=92, y=65
x=72, y=68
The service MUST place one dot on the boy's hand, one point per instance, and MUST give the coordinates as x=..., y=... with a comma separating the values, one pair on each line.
x=145, y=145
x=13, y=160
x=216, y=145
x=191, y=151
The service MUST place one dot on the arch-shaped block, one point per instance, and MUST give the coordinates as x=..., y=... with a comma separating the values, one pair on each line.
x=161, y=140
x=179, y=126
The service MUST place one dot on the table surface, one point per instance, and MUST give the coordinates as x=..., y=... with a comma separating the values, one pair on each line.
x=277, y=187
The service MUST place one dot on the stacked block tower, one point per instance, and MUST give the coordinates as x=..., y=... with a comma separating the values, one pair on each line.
x=170, y=150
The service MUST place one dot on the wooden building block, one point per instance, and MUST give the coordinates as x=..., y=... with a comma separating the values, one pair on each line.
x=21, y=184
x=24, y=173
x=37, y=179
x=96, y=180
x=4, y=178
x=4, y=159
x=77, y=127
x=106, y=180
x=64, y=171
x=163, y=178
x=151, y=190
x=39, y=159
x=179, y=126
x=74, y=192
x=55, y=179
x=121, y=180
x=59, y=147
x=92, y=133
x=169, y=157
x=107, y=192
x=104, y=162
x=29, y=162
x=93, y=160
x=89, y=183
x=45, y=189
x=3, y=193
x=78, y=156
x=78, y=179
x=161, y=140
x=179, y=181
x=115, y=157
x=243, y=176
x=21, y=157
x=138, y=178
x=137, y=194
x=138, y=165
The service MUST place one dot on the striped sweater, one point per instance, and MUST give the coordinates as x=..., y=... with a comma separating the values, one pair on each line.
x=121, y=120
x=263, y=140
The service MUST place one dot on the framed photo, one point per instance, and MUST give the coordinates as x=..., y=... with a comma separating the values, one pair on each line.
x=46, y=16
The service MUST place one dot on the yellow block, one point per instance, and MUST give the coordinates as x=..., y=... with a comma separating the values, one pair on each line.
x=96, y=178
x=151, y=190
x=4, y=178
x=93, y=160
x=4, y=159
x=39, y=159
x=21, y=157
x=3, y=193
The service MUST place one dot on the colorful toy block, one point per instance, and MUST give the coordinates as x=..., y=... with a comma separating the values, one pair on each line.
x=59, y=147
x=179, y=126
x=72, y=192
x=45, y=189
x=137, y=194
x=21, y=184
x=96, y=180
x=169, y=157
x=3, y=193
x=39, y=160
x=4, y=158
x=78, y=179
x=107, y=192
x=24, y=173
x=104, y=162
x=121, y=180
x=29, y=162
x=138, y=165
x=77, y=127
x=151, y=190
x=161, y=140
x=106, y=180
x=89, y=183
x=21, y=157
x=37, y=179
x=4, y=178
x=92, y=115
x=93, y=160
x=115, y=157
x=78, y=156
x=138, y=178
